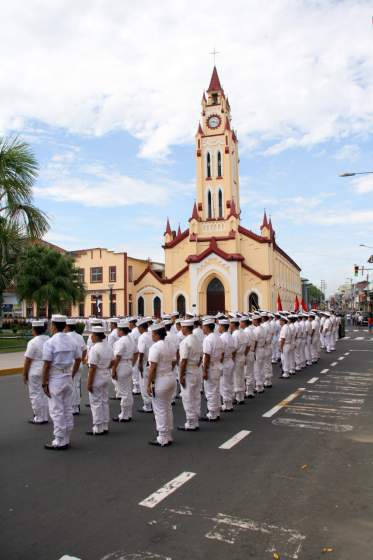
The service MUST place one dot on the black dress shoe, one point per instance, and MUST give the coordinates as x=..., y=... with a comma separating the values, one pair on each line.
x=115, y=398
x=207, y=419
x=38, y=423
x=157, y=444
x=251, y=396
x=145, y=411
x=105, y=432
x=56, y=447
x=268, y=386
x=90, y=433
x=117, y=419
x=76, y=413
x=88, y=405
x=184, y=429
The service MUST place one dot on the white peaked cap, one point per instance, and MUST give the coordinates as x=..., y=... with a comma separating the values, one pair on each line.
x=175, y=314
x=187, y=323
x=224, y=322
x=114, y=320
x=245, y=318
x=208, y=321
x=167, y=322
x=59, y=319
x=157, y=326
x=142, y=322
x=123, y=324
x=38, y=323
x=71, y=321
x=97, y=329
x=234, y=320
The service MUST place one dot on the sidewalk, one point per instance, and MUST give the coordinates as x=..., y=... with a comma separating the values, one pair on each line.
x=11, y=362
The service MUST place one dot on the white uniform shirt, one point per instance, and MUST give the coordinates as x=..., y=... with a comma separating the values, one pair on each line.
x=191, y=350
x=101, y=355
x=79, y=341
x=173, y=341
x=198, y=332
x=213, y=346
x=135, y=335
x=34, y=352
x=113, y=337
x=162, y=354
x=327, y=326
x=144, y=343
x=241, y=340
x=181, y=337
x=259, y=336
x=228, y=344
x=250, y=337
x=62, y=351
x=125, y=348
x=285, y=334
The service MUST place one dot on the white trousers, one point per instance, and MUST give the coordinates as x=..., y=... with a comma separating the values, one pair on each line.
x=191, y=397
x=39, y=400
x=307, y=350
x=328, y=342
x=164, y=389
x=249, y=373
x=239, y=377
x=147, y=401
x=124, y=385
x=268, y=374
x=76, y=391
x=60, y=408
x=226, y=383
x=99, y=401
x=136, y=378
x=298, y=354
x=315, y=346
x=212, y=391
x=302, y=351
x=275, y=349
x=259, y=368
x=286, y=359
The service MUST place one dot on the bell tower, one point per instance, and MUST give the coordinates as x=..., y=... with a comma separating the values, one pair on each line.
x=218, y=193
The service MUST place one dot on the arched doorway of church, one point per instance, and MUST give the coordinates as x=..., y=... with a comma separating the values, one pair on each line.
x=215, y=297
x=253, y=301
x=180, y=305
x=140, y=306
x=157, y=306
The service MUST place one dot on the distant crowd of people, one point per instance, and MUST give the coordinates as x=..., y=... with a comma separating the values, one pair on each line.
x=229, y=357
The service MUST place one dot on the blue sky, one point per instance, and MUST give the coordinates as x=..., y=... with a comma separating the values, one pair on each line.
x=109, y=99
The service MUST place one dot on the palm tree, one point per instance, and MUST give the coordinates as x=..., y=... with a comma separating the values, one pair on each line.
x=20, y=220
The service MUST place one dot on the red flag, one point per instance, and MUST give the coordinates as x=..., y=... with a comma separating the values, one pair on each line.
x=314, y=306
x=303, y=304
x=296, y=304
x=279, y=303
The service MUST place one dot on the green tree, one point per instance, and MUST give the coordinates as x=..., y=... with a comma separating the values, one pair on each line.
x=315, y=295
x=20, y=220
x=48, y=277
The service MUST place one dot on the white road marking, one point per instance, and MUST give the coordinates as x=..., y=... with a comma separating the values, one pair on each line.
x=283, y=403
x=312, y=425
x=347, y=337
x=143, y=555
x=334, y=364
x=324, y=371
x=359, y=338
x=158, y=496
x=347, y=353
x=313, y=380
x=235, y=439
x=341, y=358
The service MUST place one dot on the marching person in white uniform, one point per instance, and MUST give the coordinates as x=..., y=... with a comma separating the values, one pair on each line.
x=61, y=357
x=112, y=338
x=226, y=379
x=77, y=380
x=143, y=345
x=250, y=357
x=267, y=325
x=212, y=354
x=161, y=384
x=100, y=360
x=285, y=347
x=32, y=373
x=259, y=335
x=124, y=359
x=308, y=337
x=276, y=339
x=240, y=340
x=135, y=370
x=190, y=376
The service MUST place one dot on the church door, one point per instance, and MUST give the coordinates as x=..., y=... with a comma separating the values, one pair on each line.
x=157, y=307
x=253, y=302
x=215, y=297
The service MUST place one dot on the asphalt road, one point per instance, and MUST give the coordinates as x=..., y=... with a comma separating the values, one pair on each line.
x=300, y=482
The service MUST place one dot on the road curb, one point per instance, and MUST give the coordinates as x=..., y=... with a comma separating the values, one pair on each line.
x=10, y=371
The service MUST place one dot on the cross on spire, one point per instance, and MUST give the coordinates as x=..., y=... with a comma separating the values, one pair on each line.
x=214, y=53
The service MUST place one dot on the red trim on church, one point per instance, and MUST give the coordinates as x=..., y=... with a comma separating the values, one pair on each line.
x=180, y=237
x=256, y=273
x=213, y=248
x=149, y=270
x=285, y=255
x=252, y=235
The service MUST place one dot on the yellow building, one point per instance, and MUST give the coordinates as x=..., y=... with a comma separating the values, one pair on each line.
x=217, y=264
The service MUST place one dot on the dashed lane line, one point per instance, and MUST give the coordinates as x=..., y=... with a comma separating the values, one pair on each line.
x=341, y=358
x=324, y=371
x=334, y=364
x=158, y=496
x=235, y=439
x=313, y=380
x=347, y=353
x=283, y=403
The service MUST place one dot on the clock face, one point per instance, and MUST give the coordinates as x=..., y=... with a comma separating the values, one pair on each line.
x=213, y=121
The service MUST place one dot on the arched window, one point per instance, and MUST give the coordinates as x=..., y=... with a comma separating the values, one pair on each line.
x=208, y=165
x=140, y=306
x=253, y=301
x=209, y=205
x=219, y=165
x=215, y=296
x=157, y=307
x=180, y=305
x=220, y=203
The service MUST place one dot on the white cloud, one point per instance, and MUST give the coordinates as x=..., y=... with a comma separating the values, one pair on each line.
x=363, y=185
x=302, y=75
x=348, y=152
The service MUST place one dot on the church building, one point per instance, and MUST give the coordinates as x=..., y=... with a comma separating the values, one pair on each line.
x=217, y=264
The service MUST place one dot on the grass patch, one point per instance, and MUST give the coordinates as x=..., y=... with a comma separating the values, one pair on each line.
x=13, y=344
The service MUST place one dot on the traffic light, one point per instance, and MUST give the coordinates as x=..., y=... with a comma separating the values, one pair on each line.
x=356, y=269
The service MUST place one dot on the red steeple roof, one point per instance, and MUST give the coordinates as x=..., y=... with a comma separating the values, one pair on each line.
x=195, y=215
x=227, y=124
x=168, y=228
x=215, y=82
x=265, y=221
x=199, y=131
x=178, y=231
